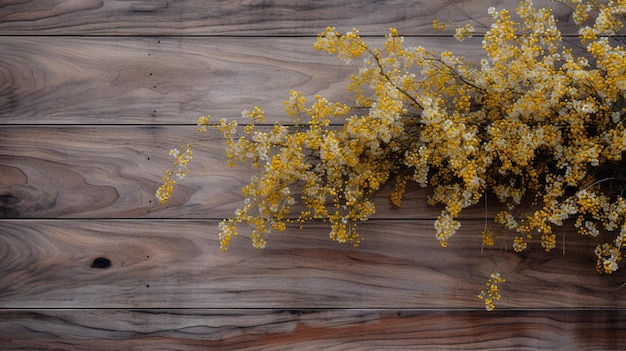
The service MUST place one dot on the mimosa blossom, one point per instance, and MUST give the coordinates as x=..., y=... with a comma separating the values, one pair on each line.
x=534, y=121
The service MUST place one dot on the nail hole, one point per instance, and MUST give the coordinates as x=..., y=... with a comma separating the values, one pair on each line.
x=101, y=263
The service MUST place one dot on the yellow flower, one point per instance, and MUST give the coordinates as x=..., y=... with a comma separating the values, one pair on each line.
x=437, y=25
x=203, y=123
x=492, y=293
x=488, y=237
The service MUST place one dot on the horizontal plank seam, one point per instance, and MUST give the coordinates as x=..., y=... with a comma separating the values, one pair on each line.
x=126, y=125
x=233, y=36
x=213, y=219
x=317, y=309
x=228, y=36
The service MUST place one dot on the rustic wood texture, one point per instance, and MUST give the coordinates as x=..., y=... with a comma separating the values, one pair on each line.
x=361, y=329
x=256, y=17
x=177, y=264
x=93, y=94
x=168, y=80
x=77, y=80
x=114, y=171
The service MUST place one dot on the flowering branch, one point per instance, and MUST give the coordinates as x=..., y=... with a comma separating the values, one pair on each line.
x=532, y=122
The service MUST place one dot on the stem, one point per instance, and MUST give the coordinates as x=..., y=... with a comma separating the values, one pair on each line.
x=458, y=75
x=382, y=72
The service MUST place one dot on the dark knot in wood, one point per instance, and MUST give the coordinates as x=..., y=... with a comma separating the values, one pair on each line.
x=101, y=263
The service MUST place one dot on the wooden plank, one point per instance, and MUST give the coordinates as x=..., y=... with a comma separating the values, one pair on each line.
x=281, y=17
x=177, y=264
x=114, y=171
x=156, y=80
x=73, y=80
x=109, y=172
x=311, y=329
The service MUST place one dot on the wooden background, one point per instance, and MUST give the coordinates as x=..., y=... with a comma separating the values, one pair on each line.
x=94, y=93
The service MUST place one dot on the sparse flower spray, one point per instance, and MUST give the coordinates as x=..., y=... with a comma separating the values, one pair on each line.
x=538, y=126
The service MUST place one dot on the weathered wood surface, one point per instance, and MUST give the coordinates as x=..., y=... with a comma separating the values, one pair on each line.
x=93, y=94
x=361, y=329
x=256, y=17
x=77, y=80
x=114, y=171
x=102, y=80
x=177, y=264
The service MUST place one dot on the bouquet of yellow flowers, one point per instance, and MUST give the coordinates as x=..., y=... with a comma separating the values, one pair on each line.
x=532, y=122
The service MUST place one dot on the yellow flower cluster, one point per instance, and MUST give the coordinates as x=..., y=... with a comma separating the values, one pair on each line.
x=346, y=46
x=532, y=123
x=492, y=293
x=182, y=158
x=464, y=32
x=437, y=25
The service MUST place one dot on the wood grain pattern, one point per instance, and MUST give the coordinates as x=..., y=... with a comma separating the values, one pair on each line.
x=177, y=264
x=311, y=330
x=102, y=80
x=114, y=171
x=172, y=80
x=94, y=93
x=257, y=17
